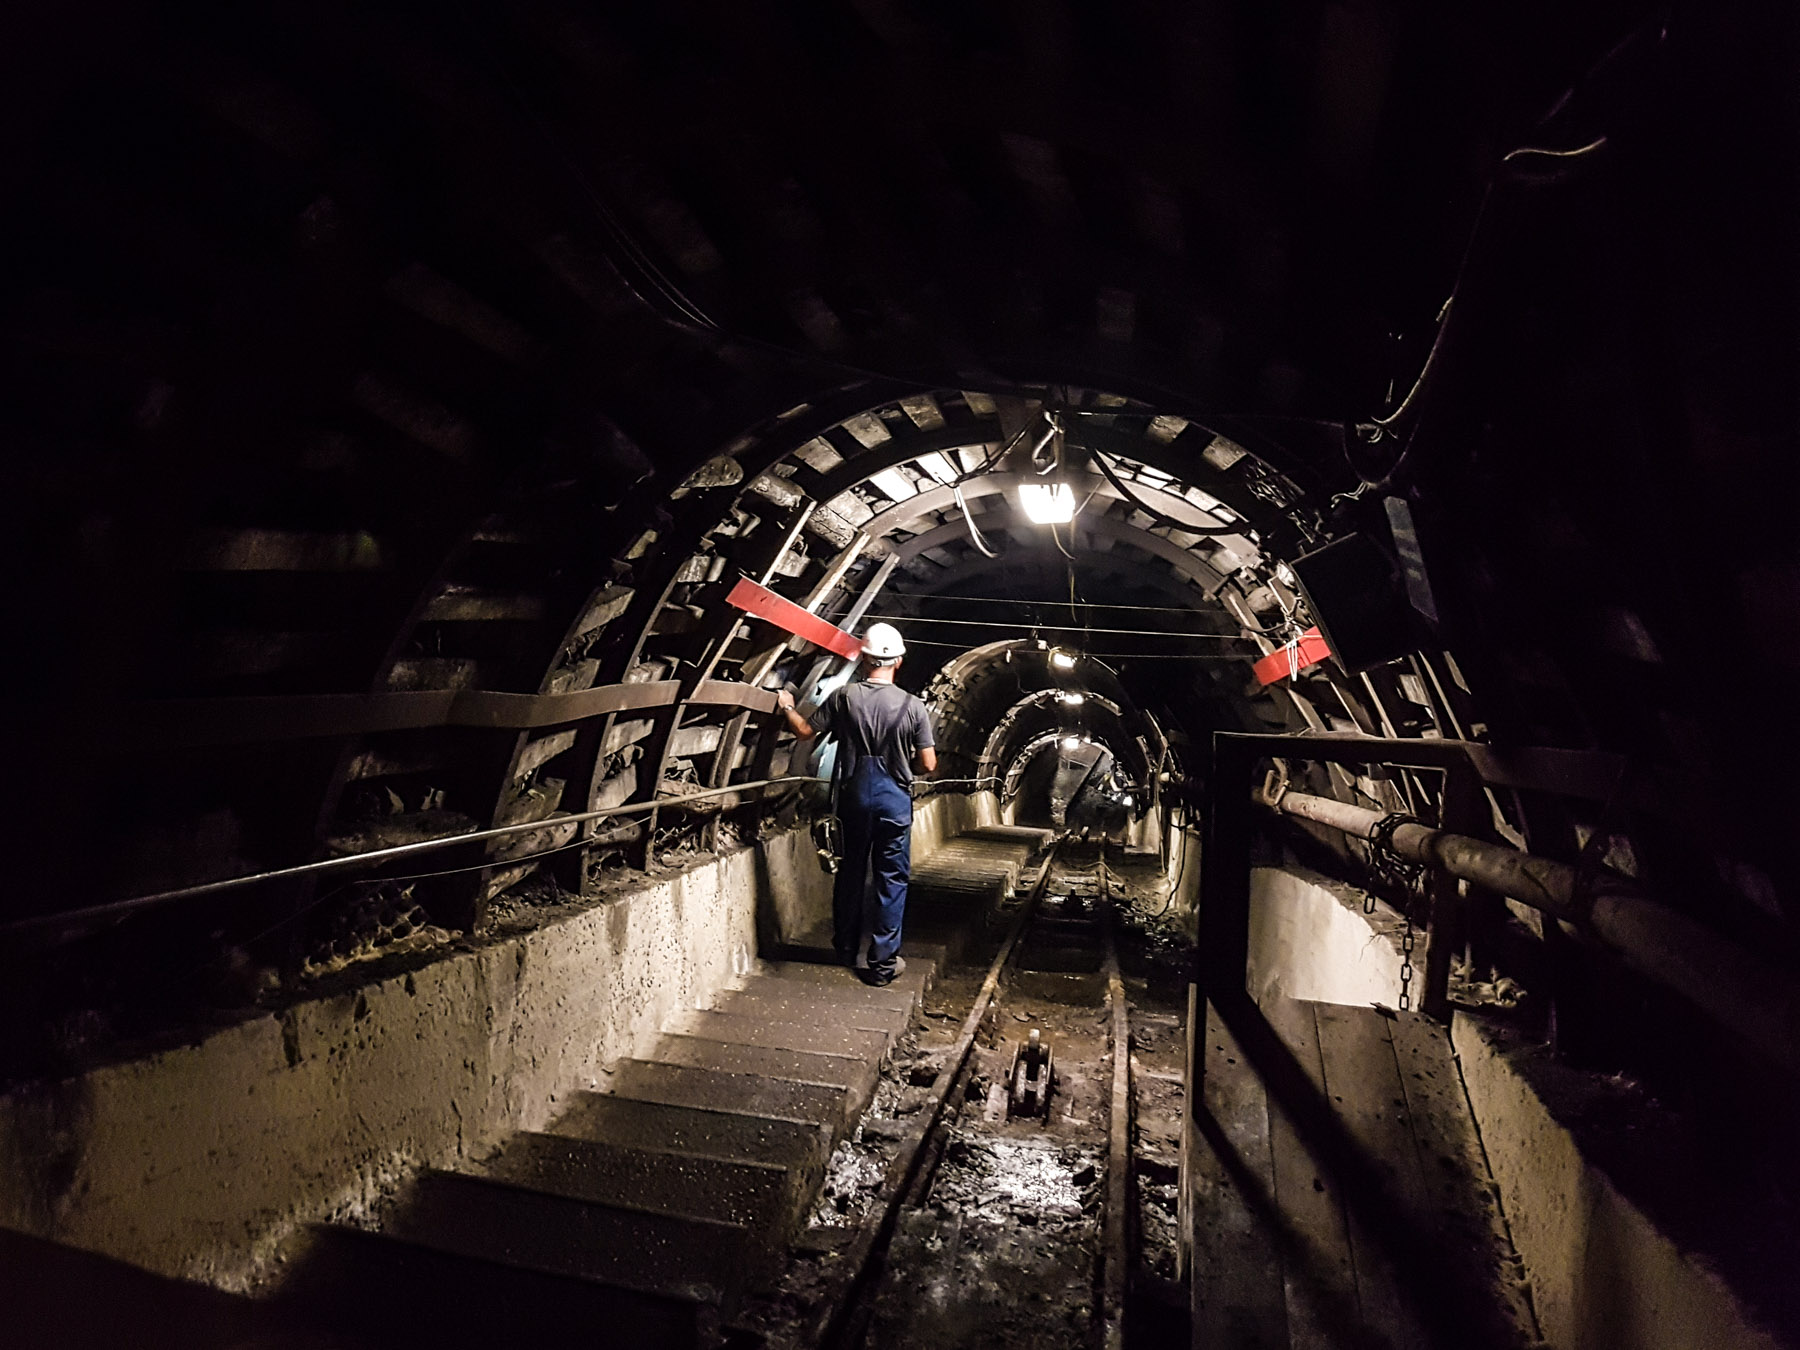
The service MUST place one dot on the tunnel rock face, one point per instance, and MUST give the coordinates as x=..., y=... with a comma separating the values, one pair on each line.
x=394, y=397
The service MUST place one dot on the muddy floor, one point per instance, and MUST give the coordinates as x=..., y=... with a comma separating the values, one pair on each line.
x=1003, y=1245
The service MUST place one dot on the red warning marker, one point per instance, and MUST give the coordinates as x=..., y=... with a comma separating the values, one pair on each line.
x=759, y=602
x=1286, y=662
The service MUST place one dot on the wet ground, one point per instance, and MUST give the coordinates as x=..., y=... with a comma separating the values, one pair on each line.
x=1003, y=1245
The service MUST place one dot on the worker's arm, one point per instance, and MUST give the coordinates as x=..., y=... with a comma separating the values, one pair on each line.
x=801, y=728
x=924, y=740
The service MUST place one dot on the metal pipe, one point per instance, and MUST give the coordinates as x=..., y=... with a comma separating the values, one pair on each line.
x=1739, y=991
x=352, y=860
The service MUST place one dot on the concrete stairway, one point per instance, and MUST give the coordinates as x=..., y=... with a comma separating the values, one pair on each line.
x=646, y=1210
x=969, y=877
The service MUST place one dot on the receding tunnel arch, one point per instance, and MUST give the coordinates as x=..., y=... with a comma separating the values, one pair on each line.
x=571, y=651
x=997, y=751
x=595, y=604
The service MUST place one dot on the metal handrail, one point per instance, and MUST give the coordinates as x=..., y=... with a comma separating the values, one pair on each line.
x=352, y=860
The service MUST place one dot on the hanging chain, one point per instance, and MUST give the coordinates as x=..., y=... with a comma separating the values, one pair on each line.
x=1404, y=876
x=1406, y=967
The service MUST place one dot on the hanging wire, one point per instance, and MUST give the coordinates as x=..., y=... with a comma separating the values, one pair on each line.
x=1161, y=519
x=1109, y=656
x=1081, y=627
x=975, y=536
x=1011, y=600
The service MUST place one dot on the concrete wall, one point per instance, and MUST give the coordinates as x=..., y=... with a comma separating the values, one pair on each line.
x=1182, y=871
x=1309, y=938
x=1603, y=1276
x=797, y=890
x=201, y=1161
x=943, y=816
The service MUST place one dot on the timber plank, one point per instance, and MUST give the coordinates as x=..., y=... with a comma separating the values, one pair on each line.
x=1238, y=1299
x=1362, y=1080
x=1319, y=1272
x=1464, y=1219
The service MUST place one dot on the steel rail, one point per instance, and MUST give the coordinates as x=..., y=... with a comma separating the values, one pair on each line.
x=1115, y=1269
x=860, y=1258
x=348, y=861
x=1740, y=992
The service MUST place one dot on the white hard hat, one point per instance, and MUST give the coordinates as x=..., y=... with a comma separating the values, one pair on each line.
x=882, y=642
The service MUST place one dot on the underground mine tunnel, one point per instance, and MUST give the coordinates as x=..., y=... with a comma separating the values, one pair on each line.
x=1332, y=467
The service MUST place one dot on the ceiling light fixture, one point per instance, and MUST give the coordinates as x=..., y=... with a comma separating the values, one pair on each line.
x=1061, y=659
x=1047, y=503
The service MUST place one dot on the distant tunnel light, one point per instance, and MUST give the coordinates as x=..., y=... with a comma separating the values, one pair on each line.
x=1062, y=660
x=1071, y=742
x=1074, y=700
x=1047, y=503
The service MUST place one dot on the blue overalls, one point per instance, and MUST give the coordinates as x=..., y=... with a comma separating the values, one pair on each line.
x=877, y=815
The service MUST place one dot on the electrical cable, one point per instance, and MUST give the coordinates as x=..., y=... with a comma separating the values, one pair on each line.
x=975, y=536
x=336, y=891
x=1170, y=521
x=1065, y=628
x=1110, y=656
x=1385, y=424
x=1597, y=143
x=1010, y=600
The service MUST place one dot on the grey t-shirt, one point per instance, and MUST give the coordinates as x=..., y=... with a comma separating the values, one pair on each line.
x=881, y=720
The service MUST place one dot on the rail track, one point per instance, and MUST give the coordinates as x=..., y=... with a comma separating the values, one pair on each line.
x=989, y=1196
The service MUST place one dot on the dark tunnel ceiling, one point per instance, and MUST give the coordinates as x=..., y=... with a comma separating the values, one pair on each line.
x=359, y=350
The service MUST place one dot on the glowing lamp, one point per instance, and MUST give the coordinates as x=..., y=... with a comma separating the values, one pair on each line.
x=1047, y=503
x=1062, y=660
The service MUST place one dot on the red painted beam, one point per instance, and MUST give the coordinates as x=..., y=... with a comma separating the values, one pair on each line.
x=1283, y=662
x=759, y=602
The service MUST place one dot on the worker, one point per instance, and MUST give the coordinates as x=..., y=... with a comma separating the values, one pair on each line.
x=883, y=734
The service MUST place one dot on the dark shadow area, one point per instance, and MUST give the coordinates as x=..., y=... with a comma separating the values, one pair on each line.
x=1454, y=1309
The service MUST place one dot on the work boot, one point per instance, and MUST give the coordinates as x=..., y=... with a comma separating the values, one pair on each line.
x=883, y=973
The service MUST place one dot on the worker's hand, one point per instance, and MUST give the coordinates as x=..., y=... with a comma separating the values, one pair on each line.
x=784, y=700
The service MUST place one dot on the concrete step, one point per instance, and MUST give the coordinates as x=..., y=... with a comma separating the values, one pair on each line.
x=746, y=1094
x=760, y=1196
x=812, y=960
x=890, y=997
x=637, y=1249
x=955, y=901
x=916, y=979
x=854, y=1076
x=698, y=1132
x=749, y=1029
x=1024, y=837
x=773, y=1002
x=414, y=1295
